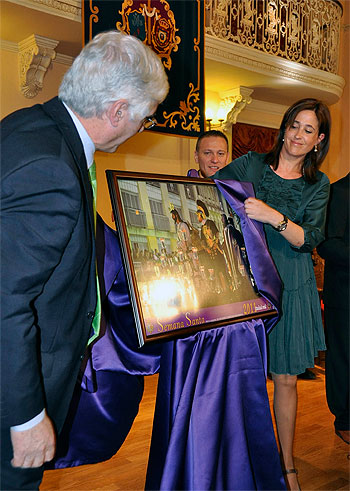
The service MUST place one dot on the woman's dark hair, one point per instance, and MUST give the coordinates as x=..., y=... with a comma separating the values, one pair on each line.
x=312, y=160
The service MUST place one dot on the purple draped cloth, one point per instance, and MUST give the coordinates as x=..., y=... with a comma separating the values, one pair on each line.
x=262, y=265
x=212, y=426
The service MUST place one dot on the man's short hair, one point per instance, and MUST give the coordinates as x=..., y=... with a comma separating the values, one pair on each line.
x=114, y=66
x=215, y=133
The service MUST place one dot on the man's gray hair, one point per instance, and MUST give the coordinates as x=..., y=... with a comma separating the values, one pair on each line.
x=114, y=66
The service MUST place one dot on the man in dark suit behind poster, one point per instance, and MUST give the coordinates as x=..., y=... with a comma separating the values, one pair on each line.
x=47, y=238
x=335, y=251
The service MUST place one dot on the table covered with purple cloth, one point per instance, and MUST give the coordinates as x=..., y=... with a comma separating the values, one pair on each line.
x=212, y=426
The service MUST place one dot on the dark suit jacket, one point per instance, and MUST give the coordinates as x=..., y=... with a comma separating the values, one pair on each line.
x=48, y=262
x=335, y=249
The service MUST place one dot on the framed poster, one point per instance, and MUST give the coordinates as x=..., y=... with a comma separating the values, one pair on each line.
x=184, y=255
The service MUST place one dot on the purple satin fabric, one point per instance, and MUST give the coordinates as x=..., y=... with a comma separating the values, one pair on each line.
x=193, y=173
x=98, y=422
x=265, y=272
x=263, y=267
x=212, y=426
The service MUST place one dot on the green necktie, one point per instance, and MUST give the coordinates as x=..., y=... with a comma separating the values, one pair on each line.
x=97, y=318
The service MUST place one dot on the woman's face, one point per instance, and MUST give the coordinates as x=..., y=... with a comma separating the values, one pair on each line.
x=302, y=136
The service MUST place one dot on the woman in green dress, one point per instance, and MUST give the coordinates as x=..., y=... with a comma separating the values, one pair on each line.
x=291, y=200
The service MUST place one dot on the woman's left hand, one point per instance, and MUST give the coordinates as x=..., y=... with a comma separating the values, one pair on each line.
x=258, y=210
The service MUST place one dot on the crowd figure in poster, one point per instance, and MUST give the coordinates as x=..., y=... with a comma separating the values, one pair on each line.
x=211, y=263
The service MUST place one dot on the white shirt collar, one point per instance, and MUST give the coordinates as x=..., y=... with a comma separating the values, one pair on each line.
x=88, y=144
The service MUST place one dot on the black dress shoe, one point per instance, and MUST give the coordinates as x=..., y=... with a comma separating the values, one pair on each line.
x=307, y=375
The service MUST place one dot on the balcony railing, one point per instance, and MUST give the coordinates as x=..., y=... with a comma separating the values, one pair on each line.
x=161, y=222
x=135, y=218
x=303, y=31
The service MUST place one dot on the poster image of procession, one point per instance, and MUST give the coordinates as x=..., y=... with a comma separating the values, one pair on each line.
x=185, y=255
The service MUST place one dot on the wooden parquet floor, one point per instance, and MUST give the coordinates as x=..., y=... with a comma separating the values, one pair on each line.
x=321, y=456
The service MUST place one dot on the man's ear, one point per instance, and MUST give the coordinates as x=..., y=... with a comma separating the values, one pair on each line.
x=117, y=111
x=196, y=156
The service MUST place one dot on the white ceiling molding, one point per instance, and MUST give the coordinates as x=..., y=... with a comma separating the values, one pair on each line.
x=35, y=56
x=63, y=59
x=69, y=9
x=268, y=107
x=272, y=66
x=262, y=113
x=234, y=101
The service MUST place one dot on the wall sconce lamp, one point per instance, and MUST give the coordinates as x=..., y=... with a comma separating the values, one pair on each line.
x=209, y=118
x=209, y=114
x=232, y=103
x=221, y=115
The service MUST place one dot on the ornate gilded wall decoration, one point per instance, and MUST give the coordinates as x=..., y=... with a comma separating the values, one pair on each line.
x=35, y=56
x=175, y=31
x=303, y=31
x=188, y=114
x=155, y=26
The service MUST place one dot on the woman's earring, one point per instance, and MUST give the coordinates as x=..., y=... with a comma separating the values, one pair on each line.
x=315, y=149
x=283, y=139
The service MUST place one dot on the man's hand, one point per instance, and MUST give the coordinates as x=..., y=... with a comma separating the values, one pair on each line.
x=33, y=447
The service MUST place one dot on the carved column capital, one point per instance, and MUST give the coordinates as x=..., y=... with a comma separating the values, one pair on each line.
x=235, y=100
x=35, y=56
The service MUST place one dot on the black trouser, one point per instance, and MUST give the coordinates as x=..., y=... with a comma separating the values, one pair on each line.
x=337, y=365
x=14, y=477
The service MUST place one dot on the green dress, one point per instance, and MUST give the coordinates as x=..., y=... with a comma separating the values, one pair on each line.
x=298, y=336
